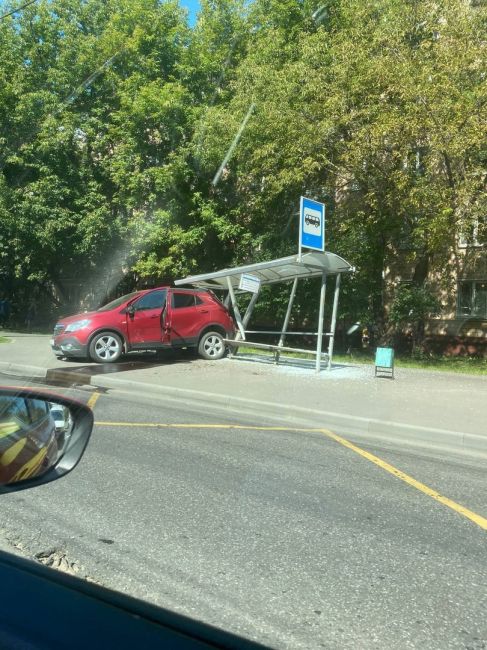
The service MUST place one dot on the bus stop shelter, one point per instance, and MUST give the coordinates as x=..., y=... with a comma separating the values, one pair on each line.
x=286, y=269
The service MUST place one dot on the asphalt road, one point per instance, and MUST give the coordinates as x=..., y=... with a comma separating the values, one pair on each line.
x=287, y=537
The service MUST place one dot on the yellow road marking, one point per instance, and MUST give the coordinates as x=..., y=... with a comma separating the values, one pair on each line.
x=93, y=399
x=7, y=428
x=465, y=512
x=12, y=452
x=158, y=425
x=477, y=519
x=30, y=468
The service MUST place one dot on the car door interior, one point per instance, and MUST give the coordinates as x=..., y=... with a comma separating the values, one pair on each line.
x=48, y=609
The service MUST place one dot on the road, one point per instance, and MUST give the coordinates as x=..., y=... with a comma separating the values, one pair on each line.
x=284, y=536
x=427, y=409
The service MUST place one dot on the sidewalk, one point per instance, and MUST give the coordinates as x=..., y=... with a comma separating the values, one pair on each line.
x=419, y=407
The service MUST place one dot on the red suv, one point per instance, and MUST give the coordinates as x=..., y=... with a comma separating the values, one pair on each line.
x=146, y=320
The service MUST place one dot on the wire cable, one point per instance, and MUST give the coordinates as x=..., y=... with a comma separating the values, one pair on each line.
x=14, y=11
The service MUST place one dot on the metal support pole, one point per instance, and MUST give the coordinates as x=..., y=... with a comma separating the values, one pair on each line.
x=250, y=308
x=331, y=340
x=245, y=320
x=319, y=342
x=226, y=302
x=286, y=319
x=300, y=228
x=236, y=311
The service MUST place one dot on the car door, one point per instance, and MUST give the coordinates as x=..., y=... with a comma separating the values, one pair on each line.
x=189, y=314
x=145, y=320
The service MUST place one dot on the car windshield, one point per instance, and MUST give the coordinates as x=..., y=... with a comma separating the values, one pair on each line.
x=118, y=301
x=290, y=419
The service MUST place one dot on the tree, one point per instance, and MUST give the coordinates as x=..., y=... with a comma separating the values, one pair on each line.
x=380, y=110
x=79, y=138
x=115, y=118
x=410, y=308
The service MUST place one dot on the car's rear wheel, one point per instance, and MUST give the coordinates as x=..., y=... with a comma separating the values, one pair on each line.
x=211, y=346
x=106, y=347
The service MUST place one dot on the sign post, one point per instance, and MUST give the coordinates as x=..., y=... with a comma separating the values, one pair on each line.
x=311, y=225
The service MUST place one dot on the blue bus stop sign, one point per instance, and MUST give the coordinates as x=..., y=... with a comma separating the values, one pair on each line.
x=312, y=225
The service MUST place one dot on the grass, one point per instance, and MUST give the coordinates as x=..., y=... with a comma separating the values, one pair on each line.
x=464, y=365
x=4, y=339
x=22, y=329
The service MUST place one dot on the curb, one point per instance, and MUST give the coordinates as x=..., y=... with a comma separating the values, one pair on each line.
x=353, y=425
x=34, y=372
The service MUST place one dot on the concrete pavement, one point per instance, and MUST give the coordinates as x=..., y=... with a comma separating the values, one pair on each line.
x=422, y=408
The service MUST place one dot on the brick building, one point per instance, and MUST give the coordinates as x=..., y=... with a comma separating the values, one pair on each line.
x=460, y=327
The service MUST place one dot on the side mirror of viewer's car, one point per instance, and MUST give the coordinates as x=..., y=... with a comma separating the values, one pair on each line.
x=42, y=437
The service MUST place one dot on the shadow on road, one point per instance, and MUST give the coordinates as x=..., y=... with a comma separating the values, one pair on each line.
x=132, y=361
x=81, y=375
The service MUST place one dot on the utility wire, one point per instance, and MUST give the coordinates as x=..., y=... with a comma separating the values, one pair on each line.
x=14, y=11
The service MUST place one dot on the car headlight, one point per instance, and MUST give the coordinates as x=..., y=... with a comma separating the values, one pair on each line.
x=77, y=325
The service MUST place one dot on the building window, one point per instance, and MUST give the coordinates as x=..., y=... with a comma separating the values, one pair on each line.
x=475, y=234
x=472, y=298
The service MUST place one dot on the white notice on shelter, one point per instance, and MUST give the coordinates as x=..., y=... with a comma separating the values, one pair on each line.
x=249, y=283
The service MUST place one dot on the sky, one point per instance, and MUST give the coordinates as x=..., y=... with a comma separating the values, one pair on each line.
x=193, y=6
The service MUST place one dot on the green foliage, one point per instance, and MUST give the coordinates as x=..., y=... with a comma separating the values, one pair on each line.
x=115, y=117
x=413, y=304
x=411, y=307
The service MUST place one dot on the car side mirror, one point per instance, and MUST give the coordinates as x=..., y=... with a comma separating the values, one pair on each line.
x=130, y=310
x=42, y=437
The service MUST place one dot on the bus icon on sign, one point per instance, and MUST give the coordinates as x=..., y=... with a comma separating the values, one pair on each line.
x=311, y=220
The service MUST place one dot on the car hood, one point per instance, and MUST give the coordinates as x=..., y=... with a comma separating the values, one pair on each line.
x=71, y=319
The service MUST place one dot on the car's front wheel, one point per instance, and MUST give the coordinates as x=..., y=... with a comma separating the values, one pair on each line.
x=211, y=346
x=106, y=347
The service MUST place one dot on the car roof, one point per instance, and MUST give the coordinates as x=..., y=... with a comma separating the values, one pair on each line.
x=179, y=290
